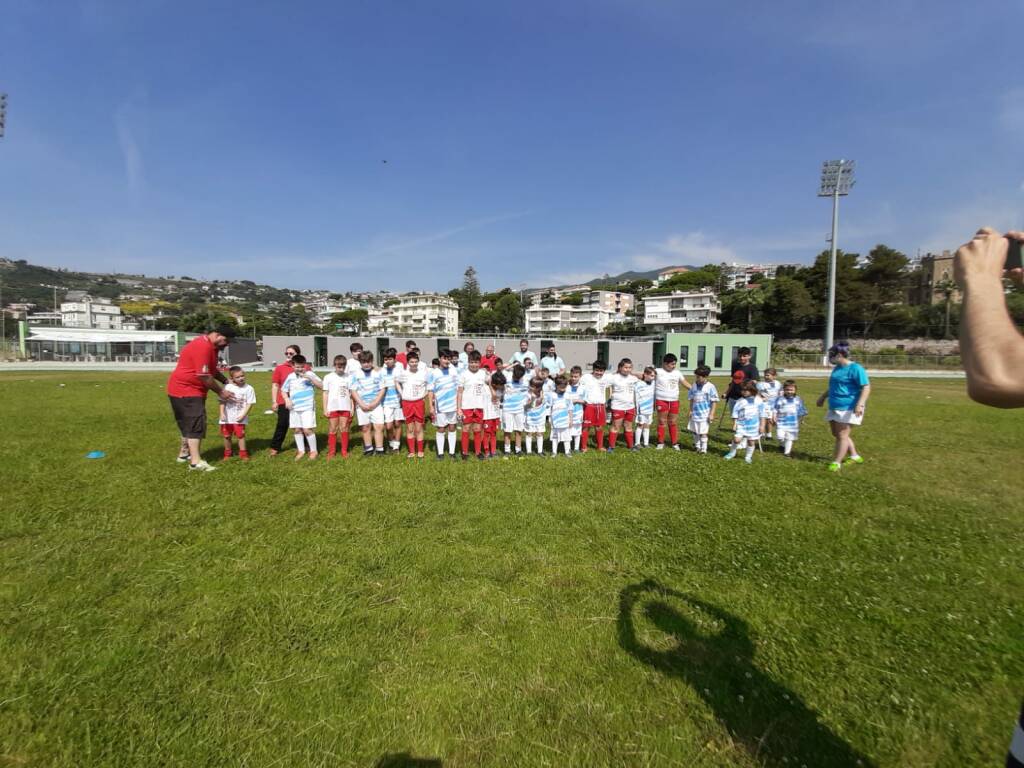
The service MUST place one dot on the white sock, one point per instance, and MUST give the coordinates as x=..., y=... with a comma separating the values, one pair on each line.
x=750, y=449
x=439, y=439
x=554, y=445
x=508, y=445
x=787, y=446
x=529, y=443
x=576, y=442
x=647, y=435
x=300, y=444
x=451, y=442
x=567, y=444
x=311, y=439
x=704, y=443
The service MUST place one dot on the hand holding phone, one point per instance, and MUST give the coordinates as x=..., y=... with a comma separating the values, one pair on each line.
x=1013, y=254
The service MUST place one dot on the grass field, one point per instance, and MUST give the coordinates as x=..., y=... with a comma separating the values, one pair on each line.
x=629, y=610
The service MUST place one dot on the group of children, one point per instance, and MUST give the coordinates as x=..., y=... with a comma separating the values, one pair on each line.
x=523, y=401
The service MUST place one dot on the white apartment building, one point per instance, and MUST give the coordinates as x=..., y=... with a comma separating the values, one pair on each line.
x=683, y=311
x=380, y=320
x=737, y=276
x=322, y=310
x=91, y=313
x=616, y=302
x=568, y=317
x=425, y=314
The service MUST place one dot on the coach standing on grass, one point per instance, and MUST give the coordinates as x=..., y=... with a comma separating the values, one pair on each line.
x=196, y=374
x=992, y=350
x=848, y=390
x=281, y=372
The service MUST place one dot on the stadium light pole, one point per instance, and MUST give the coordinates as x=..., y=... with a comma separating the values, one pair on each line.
x=836, y=180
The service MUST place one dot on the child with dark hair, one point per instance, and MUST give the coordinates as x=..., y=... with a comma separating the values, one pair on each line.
x=789, y=413
x=536, y=417
x=234, y=414
x=469, y=403
x=392, y=404
x=746, y=413
x=623, y=386
x=412, y=388
x=299, y=399
x=667, y=381
x=513, y=408
x=367, y=388
x=492, y=412
x=561, y=406
x=704, y=400
x=575, y=391
x=337, y=407
x=443, y=387
x=594, y=386
x=644, y=407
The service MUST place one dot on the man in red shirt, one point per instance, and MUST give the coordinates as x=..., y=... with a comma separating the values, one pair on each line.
x=195, y=375
x=489, y=359
x=277, y=405
x=403, y=357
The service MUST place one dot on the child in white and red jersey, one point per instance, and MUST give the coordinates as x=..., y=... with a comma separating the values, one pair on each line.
x=234, y=414
x=337, y=407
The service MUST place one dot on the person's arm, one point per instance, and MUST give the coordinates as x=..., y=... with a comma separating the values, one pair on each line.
x=991, y=348
x=865, y=392
x=458, y=399
x=216, y=385
x=223, y=411
x=274, y=389
x=287, y=399
x=325, y=394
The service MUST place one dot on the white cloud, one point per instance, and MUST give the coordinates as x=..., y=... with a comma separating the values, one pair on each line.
x=690, y=248
x=130, y=151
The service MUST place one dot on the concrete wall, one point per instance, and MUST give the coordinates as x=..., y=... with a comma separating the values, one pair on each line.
x=640, y=352
x=274, y=346
x=241, y=351
x=910, y=346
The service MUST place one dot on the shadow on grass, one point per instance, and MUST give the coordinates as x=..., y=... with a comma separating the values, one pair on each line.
x=405, y=760
x=711, y=650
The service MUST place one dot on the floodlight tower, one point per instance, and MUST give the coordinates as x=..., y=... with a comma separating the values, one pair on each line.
x=836, y=180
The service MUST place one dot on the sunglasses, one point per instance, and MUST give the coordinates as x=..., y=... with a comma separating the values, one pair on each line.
x=289, y=354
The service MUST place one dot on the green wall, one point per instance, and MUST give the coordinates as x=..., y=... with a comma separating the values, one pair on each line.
x=716, y=344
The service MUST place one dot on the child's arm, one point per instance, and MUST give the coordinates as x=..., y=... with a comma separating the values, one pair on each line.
x=223, y=412
x=377, y=400
x=458, y=399
x=325, y=403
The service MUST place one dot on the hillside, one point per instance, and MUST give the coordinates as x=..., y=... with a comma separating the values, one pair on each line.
x=650, y=274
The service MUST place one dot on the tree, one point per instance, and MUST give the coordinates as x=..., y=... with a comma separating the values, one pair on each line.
x=468, y=298
x=787, y=307
x=509, y=312
x=356, y=318
x=742, y=303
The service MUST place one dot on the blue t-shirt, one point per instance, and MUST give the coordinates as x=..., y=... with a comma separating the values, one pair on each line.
x=844, y=386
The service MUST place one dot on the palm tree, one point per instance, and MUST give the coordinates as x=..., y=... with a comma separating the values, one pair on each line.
x=750, y=298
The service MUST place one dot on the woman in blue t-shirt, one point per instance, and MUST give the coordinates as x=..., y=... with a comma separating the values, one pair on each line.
x=848, y=390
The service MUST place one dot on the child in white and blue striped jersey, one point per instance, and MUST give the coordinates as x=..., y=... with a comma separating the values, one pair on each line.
x=747, y=415
x=769, y=390
x=789, y=413
x=703, y=397
x=536, y=416
x=562, y=406
x=298, y=394
x=513, y=408
x=443, y=386
x=393, y=415
x=578, y=395
x=644, y=393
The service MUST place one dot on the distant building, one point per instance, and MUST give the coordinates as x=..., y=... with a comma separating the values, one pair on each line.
x=87, y=312
x=557, y=318
x=425, y=314
x=668, y=274
x=679, y=311
x=553, y=293
x=735, y=276
x=934, y=274
x=616, y=302
x=380, y=320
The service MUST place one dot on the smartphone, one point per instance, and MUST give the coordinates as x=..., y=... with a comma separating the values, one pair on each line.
x=1013, y=256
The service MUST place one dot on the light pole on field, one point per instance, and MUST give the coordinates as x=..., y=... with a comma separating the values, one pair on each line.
x=836, y=180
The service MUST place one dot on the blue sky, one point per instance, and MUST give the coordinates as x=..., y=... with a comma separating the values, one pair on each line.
x=541, y=142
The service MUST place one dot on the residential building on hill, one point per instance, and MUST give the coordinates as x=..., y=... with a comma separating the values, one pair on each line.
x=425, y=314
x=556, y=318
x=936, y=272
x=87, y=312
x=683, y=311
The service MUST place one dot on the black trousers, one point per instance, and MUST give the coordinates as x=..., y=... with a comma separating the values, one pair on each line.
x=281, y=430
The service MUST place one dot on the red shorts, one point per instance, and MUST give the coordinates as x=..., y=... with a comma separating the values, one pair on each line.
x=472, y=415
x=593, y=415
x=227, y=430
x=339, y=415
x=624, y=415
x=666, y=406
x=490, y=425
x=413, y=410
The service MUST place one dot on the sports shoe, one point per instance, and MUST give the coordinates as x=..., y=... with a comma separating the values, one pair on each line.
x=676, y=447
x=660, y=446
x=730, y=455
x=183, y=459
x=834, y=466
x=312, y=455
x=440, y=457
x=609, y=449
x=202, y=466
x=854, y=460
x=748, y=459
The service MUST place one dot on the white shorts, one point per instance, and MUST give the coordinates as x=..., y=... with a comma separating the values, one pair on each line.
x=749, y=435
x=561, y=435
x=844, y=417
x=787, y=434
x=302, y=419
x=644, y=419
x=376, y=416
x=576, y=429
x=513, y=422
x=449, y=419
x=393, y=413
x=698, y=427
x=535, y=429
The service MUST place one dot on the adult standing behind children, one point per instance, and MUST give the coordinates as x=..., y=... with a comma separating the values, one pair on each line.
x=847, y=396
x=196, y=374
x=554, y=364
x=524, y=354
x=992, y=350
x=741, y=365
x=277, y=379
x=402, y=357
x=489, y=360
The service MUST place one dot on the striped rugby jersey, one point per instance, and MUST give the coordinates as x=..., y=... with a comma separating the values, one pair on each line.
x=561, y=410
x=747, y=413
x=576, y=392
x=301, y=390
x=366, y=384
x=391, y=398
x=443, y=383
x=516, y=393
x=789, y=411
x=537, y=412
x=701, y=397
x=644, y=397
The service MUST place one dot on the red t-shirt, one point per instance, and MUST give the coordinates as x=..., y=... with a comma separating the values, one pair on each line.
x=280, y=374
x=488, y=362
x=197, y=357
x=401, y=358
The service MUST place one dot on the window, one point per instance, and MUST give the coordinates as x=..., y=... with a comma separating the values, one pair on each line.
x=735, y=353
x=701, y=354
x=684, y=356
x=718, y=357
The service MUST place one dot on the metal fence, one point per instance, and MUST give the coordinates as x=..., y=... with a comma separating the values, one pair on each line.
x=893, y=362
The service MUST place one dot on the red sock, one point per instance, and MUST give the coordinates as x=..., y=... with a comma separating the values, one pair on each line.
x=227, y=453
x=584, y=439
x=419, y=446
x=629, y=437
x=332, y=444
x=673, y=432
x=478, y=439
x=494, y=442
x=344, y=444
x=465, y=440
x=611, y=438
x=411, y=443
x=243, y=454
x=661, y=434
x=600, y=439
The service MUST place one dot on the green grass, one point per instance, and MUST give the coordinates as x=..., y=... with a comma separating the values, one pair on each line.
x=628, y=610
